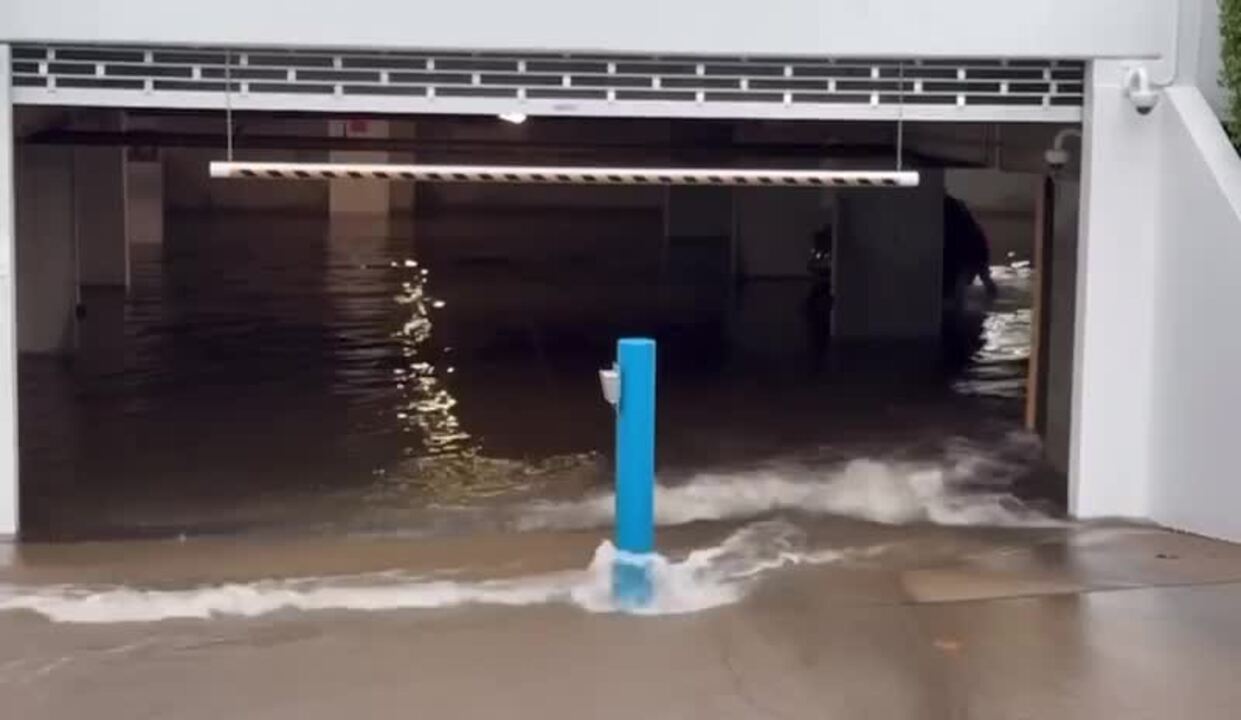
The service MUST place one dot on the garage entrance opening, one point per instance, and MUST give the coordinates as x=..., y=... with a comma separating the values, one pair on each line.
x=349, y=355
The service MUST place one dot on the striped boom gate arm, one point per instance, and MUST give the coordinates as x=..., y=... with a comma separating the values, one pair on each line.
x=565, y=175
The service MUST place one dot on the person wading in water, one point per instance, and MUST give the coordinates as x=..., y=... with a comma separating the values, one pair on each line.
x=967, y=254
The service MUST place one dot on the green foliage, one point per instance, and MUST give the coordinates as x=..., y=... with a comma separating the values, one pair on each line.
x=1230, y=32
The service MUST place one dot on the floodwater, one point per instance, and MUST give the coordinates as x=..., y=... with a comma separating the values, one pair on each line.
x=275, y=374
x=270, y=374
x=347, y=472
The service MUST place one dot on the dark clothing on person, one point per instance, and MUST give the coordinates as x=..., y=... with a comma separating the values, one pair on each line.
x=967, y=254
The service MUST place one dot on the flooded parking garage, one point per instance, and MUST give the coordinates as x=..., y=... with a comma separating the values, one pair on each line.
x=277, y=368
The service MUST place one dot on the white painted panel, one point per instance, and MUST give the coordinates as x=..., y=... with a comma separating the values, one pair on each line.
x=1050, y=28
x=1196, y=485
x=1111, y=434
x=8, y=337
x=573, y=108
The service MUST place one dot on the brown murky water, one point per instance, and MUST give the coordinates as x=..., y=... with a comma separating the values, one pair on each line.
x=275, y=374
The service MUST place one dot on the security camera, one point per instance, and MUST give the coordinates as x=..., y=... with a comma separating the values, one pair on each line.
x=1144, y=102
x=1138, y=89
x=1056, y=158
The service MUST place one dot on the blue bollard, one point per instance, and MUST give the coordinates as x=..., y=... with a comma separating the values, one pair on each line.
x=635, y=473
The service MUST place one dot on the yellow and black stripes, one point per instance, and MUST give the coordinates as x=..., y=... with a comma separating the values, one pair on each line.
x=565, y=175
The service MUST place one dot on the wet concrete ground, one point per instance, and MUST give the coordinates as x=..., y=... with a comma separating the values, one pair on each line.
x=1083, y=622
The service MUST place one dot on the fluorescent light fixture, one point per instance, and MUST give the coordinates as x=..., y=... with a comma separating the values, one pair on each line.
x=566, y=175
x=516, y=118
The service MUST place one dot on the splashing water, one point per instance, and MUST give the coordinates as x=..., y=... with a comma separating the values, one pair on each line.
x=879, y=491
x=964, y=488
x=701, y=580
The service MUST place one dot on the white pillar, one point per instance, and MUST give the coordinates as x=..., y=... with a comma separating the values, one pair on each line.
x=887, y=265
x=8, y=316
x=144, y=200
x=47, y=272
x=103, y=253
x=1112, y=379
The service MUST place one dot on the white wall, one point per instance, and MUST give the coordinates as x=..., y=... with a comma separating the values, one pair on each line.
x=8, y=337
x=1196, y=484
x=1112, y=383
x=1069, y=28
x=1156, y=387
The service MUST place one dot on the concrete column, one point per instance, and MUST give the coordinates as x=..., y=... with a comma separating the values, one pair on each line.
x=144, y=199
x=1061, y=305
x=775, y=230
x=103, y=253
x=699, y=212
x=698, y=224
x=359, y=205
x=47, y=276
x=8, y=316
x=99, y=176
x=1112, y=380
x=888, y=262
x=404, y=195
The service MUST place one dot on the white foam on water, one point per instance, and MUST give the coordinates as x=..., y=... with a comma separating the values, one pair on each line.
x=701, y=580
x=709, y=577
x=880, y=491
x=121, y=604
